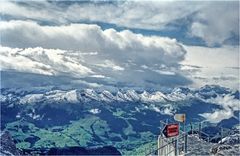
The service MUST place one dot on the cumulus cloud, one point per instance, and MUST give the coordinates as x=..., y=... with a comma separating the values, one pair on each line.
x=91, y=38
x=87, y=50
x=110, y=64
x=121, y=57
x=218, y=115
x=217, y=23
x=41, y=61
x=83, y=69
x=229, y=105
x=147, y=15
x=201, y=18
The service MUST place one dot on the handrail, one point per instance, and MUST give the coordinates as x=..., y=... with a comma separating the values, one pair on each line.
x=173, y=141
x=194, y=127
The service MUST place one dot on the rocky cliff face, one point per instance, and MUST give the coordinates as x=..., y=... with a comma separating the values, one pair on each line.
x=229, y=145
x=8, y=147
x=75, y=150
x=107, y=150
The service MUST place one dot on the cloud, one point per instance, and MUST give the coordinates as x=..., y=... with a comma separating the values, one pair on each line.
x=91, y=38
x=218, y=22
x=41, y=61
x=206, y=65
x=110, y=64
x=87, y=50
x=72, y=69
x=122, y=57
x=147, y=15
x=217, y=116
x=226, y=101
x=200, y=19
x=229, y=105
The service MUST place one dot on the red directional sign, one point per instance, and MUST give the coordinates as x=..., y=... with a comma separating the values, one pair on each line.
x=171, y=130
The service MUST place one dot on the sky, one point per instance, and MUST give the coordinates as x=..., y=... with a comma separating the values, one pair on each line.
x=124, y=44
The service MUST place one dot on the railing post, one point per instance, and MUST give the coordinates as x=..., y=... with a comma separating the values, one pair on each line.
x=191, y=127
x=186, y=142
x=221, y=134
x=199, y=130
x=158, y=151
x=185, y=137
x=176, y=147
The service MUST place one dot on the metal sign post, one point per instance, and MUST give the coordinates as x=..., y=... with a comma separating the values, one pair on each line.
x=182, y=118
x=176, y=147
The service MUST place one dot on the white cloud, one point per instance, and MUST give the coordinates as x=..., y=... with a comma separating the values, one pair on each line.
x=217, y=22
x=226, y=101
x=147, y=15
x=41, y=61
x=164, y=72
x=229, y=105
x=122, y=57
x=90, y=38
x=110, y=64
x=218, y=115
x=88, y=50
x=214, y=22
x=212, y=65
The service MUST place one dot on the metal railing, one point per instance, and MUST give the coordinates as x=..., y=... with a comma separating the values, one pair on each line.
x=155, y=152
x=180, y=143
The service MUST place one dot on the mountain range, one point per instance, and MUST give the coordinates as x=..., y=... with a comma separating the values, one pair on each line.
x=50, y=117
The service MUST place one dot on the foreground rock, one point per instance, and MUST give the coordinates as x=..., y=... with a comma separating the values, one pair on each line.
x=106, y=150
x=229, y=145
x=8, y=147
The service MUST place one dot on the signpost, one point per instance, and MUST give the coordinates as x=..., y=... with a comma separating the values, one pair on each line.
x=182, y=118
x=171, y=130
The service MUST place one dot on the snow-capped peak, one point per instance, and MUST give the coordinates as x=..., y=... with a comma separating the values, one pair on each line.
x=154, y=97
x=67, y=96
x=106, y=96
x=86, y=95
x=131, y=95
x=54, y=96
x=90, y=94
x=31, y=98
x=120, y=96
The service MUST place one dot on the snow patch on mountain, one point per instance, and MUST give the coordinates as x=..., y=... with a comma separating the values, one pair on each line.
x=62, y=96
x=95, y=111
x=154, y=97
x=32, y=98
x=179, y=94
x=107, y=96
x=162, y=102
